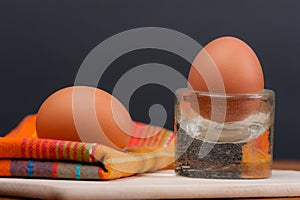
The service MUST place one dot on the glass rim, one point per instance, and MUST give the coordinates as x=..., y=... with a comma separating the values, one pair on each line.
x=187, y=91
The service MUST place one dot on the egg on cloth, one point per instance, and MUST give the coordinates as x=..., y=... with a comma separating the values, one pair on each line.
x=86, y=114
x=241, y=72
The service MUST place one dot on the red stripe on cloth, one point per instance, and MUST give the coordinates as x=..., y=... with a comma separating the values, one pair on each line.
x=37, y=149
x=100, y=173
x=142, y=142
x=170, y=139
x=167, y=138
x=145, y=134
x=47, y=149
x=61, y=149
x=68, y=150
x=44, y=149
x=75, y=151
x=158, y=132
x=138, y=134
x=132, y=137
x=30, y=147
x=23, y=147
x=54, y=169
x=150, y=139
x=163, y=137
x=52, y=150
x=82, y=151
x=92, y=157
x=155, y=132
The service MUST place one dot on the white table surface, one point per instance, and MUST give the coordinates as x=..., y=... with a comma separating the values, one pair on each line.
x=158, y=185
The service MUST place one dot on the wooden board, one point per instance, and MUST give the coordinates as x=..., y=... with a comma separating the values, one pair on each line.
x=162, y=184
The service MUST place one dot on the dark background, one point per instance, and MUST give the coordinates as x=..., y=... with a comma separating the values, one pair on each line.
x=43, y=43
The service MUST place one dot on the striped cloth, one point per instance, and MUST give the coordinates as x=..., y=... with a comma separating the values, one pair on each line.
x=22, y=154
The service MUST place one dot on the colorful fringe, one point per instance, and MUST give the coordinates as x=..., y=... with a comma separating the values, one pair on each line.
x=22, y=154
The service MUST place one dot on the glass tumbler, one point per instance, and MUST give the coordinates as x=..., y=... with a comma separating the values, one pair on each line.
x=224, y=136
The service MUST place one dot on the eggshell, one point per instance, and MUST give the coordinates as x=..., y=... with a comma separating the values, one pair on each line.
x=57, y=116
x=240, y=70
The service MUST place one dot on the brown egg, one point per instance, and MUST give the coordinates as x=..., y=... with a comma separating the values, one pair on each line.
x=87, y=114
x=240, y=70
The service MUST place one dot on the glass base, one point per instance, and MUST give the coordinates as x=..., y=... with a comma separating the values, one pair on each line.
x=249, y=160
x=219, y=175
